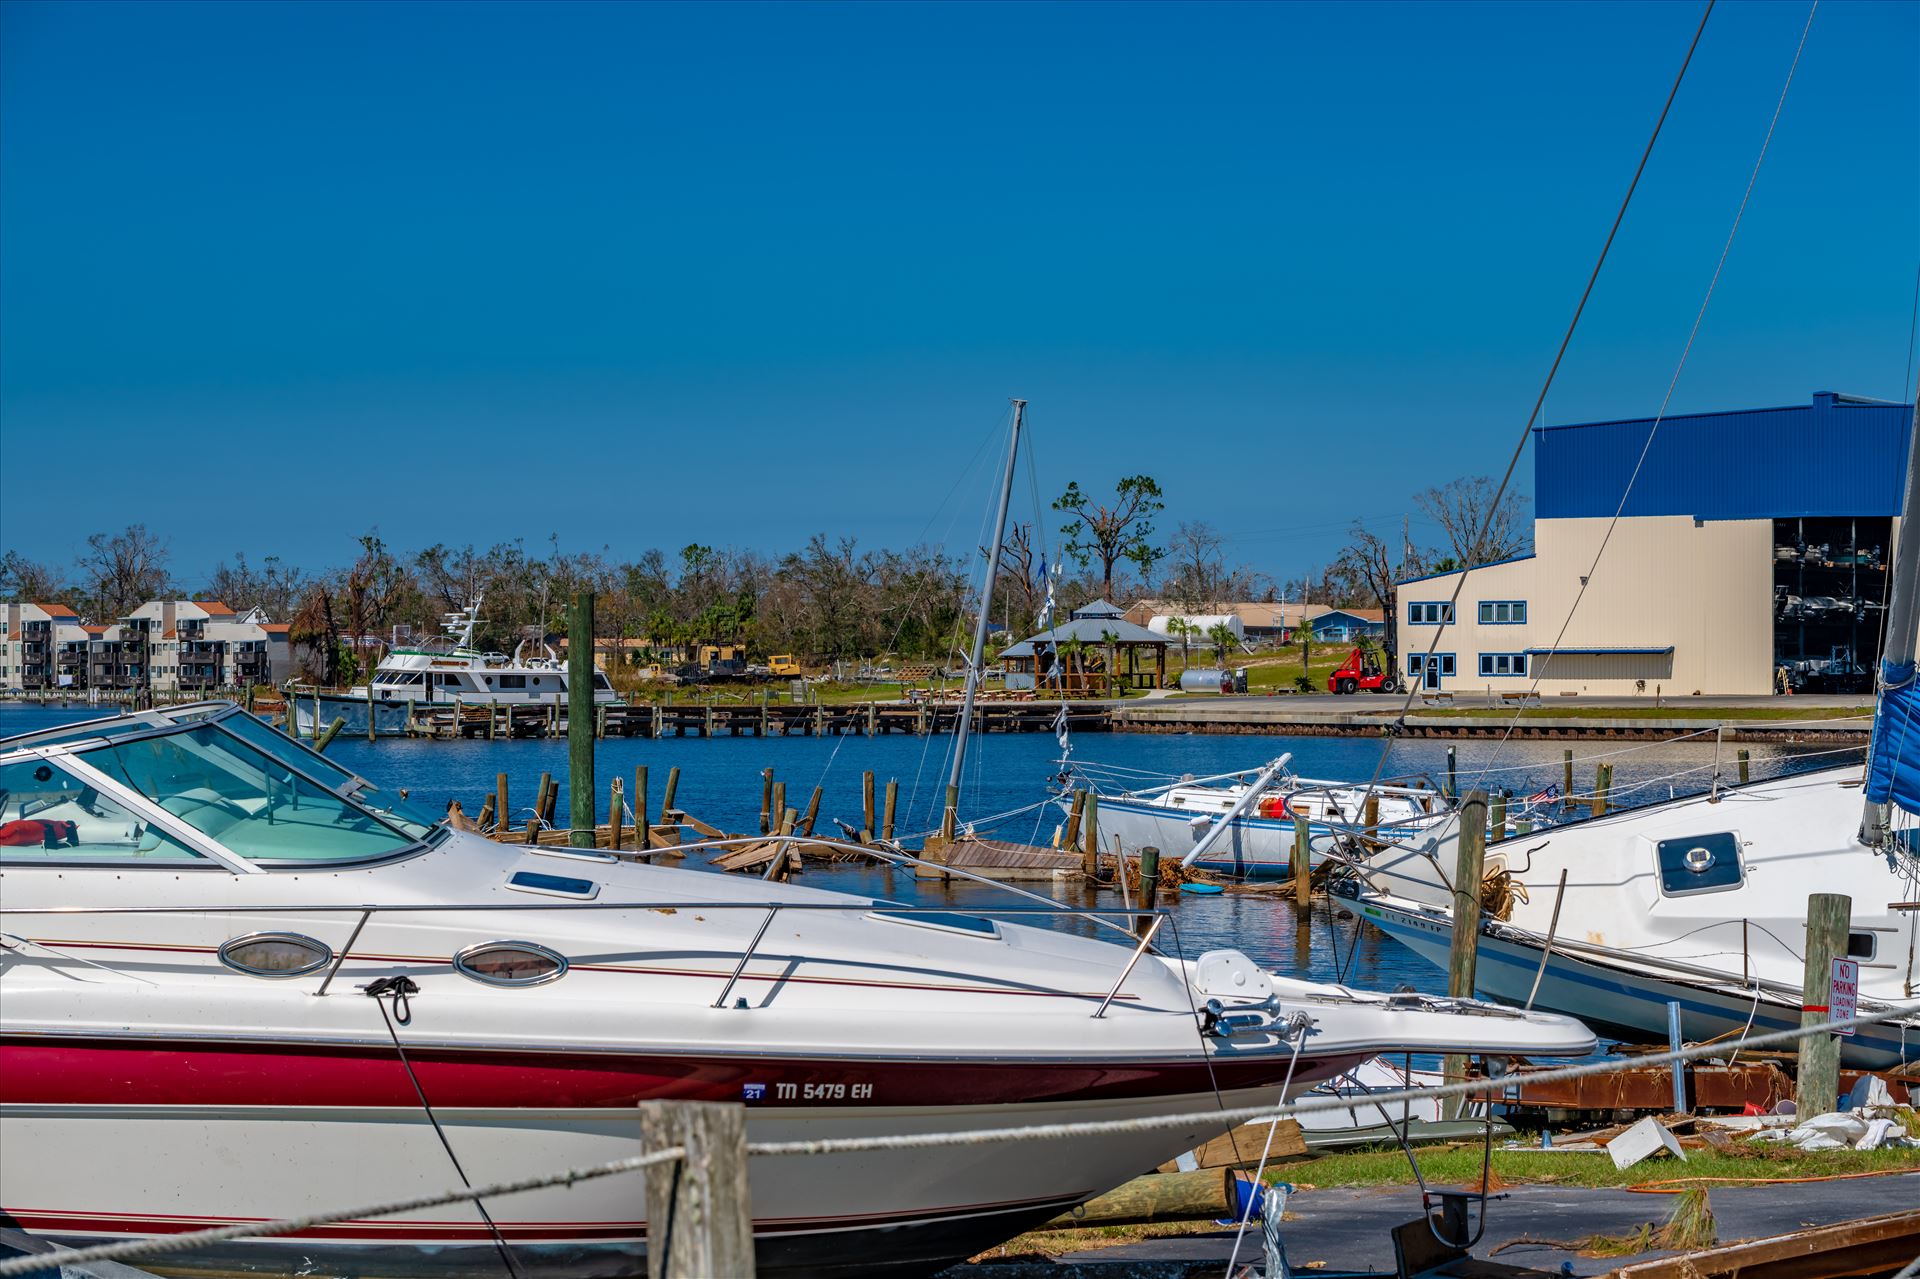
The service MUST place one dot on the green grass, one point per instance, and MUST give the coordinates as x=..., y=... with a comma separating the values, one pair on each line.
x=1550, y=711
x=1460, y=1165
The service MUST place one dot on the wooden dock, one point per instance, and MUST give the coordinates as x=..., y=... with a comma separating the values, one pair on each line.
x=858, y=719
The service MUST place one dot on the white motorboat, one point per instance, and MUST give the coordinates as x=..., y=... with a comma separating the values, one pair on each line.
x=192, y=907
x=444, y=674
x=1242, y=823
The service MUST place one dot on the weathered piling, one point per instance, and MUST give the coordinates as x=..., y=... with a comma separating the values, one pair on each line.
x=1746, y=765
x=1453, y=773
x=616, y=813
x=779, y=804
x=1566, y=776
x=699, y=1208
x=666, y=801
x=1817, y=1090
x=1497, y=829
x=1090, y=840
x=642, y=824
x=866, y=807
x=1149, y=887
x=1071, y=837
x=950, y=815
x=1464, y=953
x=766, y=794
x=580, y=721
x=1302, y=863
x=886, y=819
x=503, y=815
x=539, y=807
x=333, y=730
x=369, y=707
x=813, y=812
x=1602, y=788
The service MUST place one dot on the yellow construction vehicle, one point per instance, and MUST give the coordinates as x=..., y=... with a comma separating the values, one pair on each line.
x=782, y=666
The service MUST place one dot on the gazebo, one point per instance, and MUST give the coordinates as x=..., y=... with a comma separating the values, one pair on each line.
x=1096, y=650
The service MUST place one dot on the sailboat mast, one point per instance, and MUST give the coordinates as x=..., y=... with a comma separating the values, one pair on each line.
x=986, y=606
x=1903, y=615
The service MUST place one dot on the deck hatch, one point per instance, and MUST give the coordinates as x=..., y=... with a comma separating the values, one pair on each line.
x=944, y=921
x=1700, y=864
x=528, y=881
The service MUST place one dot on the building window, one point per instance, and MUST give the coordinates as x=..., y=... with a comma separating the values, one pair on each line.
x=1432, y=614
x=1503, y=663
x=1503, y=612
x=1417, y=663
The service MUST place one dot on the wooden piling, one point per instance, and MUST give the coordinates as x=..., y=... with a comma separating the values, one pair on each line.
x=779, y=802
x=1497, y=823
x=616, y=813
x=866, y=807
x=1464, y=953
x=886, y=820
x=369, y=707
x=642, y=824
x=1090, y=839
x=1602, y=787
x=1302, y=863
x=1149, y=887
x=1746, y=765
x=699, y=1210
x=1370, y=816
x=1566, y=776
x=485, y=817
x=766, y=792
x=503, y=815
x=813, y=812
x=1071, y=837
x=333, y=731
x=539, y=808
x=950, y=815
x=1453, y=773
x=1817, y=1090
x=673, y=786
x=581, y=725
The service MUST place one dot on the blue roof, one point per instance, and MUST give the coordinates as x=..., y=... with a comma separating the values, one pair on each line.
x=1839, y=455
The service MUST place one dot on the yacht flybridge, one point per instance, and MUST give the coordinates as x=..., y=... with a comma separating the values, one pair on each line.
x=442, y=674
x=193, y=908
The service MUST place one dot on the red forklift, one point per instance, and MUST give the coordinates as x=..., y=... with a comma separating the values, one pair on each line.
x=1362, y=673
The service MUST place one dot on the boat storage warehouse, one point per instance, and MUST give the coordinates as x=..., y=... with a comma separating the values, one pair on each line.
x=1751, y=553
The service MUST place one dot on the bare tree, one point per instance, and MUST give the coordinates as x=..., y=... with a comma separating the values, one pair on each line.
x=1199, y=570
x=124, y=570
x=1479, y=530
x=1367, y=570
x=1111, y=534
x=273, y=586
x=27, y=580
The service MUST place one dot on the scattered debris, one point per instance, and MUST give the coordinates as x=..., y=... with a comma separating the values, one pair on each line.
x=1648, y=1137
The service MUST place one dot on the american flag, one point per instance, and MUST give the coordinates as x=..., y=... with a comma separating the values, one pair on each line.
x=1542, y=796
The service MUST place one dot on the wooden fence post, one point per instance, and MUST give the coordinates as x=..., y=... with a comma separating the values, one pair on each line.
x=699, y=1214
x=1817, y=1090
x=1464, y=953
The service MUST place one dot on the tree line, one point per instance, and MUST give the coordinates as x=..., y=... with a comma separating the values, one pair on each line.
x=831, y=599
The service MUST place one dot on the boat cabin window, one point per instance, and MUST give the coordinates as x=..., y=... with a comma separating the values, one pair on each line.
x=600, y=681
x=513, y=681
x=247, y=800
x=48, y=814
x=399, y=677
x=1860, y=945
x=1700, y=864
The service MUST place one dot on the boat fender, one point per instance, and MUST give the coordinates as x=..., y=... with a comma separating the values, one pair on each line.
x=1229, y=974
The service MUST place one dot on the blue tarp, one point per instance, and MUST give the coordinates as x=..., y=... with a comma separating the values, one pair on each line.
x=1893, y=770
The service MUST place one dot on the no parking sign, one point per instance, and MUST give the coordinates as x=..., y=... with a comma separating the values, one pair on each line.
x=1843, y=993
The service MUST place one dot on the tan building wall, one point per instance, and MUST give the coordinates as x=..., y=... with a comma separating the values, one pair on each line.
x=1705, y=590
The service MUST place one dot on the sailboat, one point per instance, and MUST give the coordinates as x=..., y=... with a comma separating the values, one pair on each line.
x=1700, y=901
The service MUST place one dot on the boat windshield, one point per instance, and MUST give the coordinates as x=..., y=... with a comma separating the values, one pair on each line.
x=411, y=820
x=248, y=800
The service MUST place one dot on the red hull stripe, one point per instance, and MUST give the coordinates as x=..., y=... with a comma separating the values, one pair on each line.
x=55, y=1070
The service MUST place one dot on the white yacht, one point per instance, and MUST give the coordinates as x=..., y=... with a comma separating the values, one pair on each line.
x=443, y=674
x=199, y=914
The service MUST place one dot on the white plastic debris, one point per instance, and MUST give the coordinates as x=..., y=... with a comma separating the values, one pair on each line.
x=1869, y=1093
x=1648, y=1137
x=1838, y=1126
x=1878, y=1133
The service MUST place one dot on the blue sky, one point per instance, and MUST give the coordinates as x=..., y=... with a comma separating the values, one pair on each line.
x=273, y=274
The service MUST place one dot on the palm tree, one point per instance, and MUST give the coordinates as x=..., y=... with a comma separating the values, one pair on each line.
x=1305, y=630
x=1223, y=639
x=1110, y=638
x=1181, y=629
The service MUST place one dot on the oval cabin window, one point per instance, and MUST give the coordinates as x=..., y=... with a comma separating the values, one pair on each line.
x=275, y=955
x=510, y=963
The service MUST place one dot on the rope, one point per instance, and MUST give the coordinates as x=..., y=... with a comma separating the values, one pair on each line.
x=1646, y=446
x=147, y=1247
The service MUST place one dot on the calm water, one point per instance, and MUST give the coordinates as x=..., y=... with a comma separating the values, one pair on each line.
x=720, y=783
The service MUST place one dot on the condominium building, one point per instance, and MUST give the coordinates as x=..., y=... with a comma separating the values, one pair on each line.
x=41, y=646
x=164, y=645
